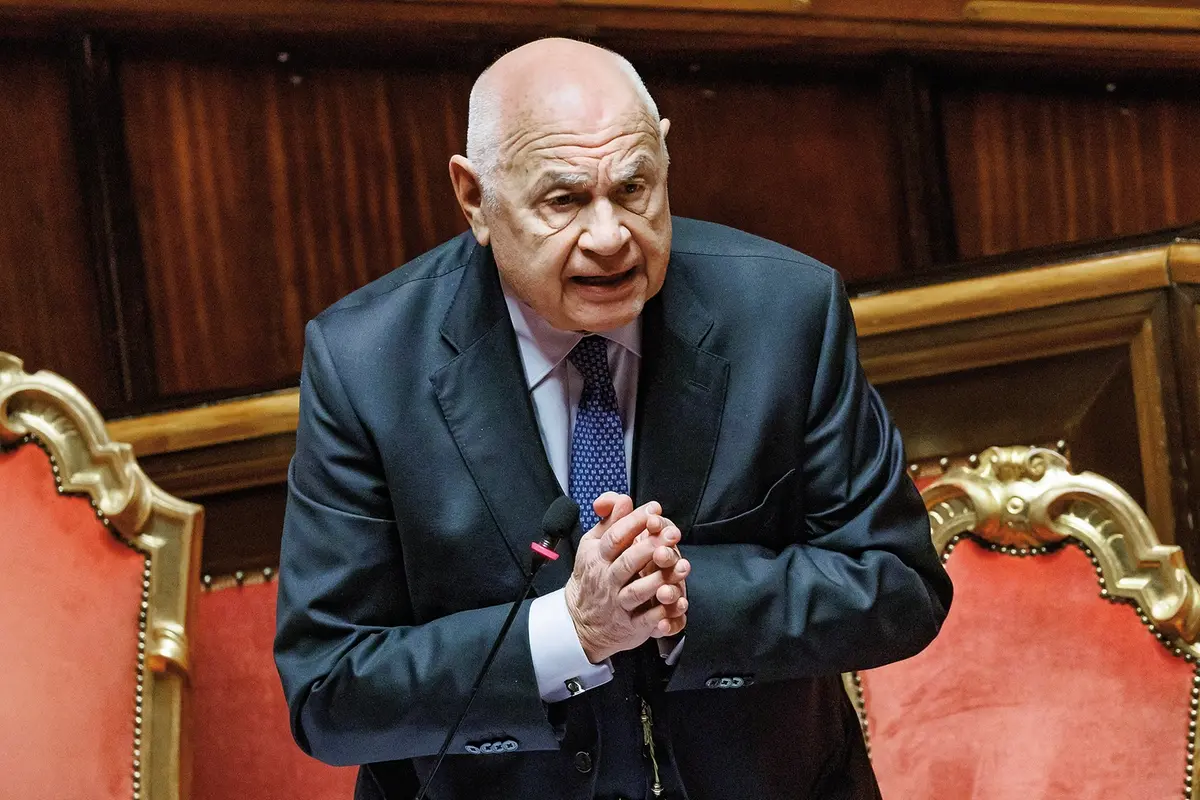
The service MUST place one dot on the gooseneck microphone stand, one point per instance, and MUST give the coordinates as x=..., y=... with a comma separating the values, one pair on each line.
x=560, y=519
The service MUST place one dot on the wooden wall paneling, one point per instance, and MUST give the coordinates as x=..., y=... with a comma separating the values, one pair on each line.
x=243, y=529
x=1038, y=375
x=871, y=26
x=265, y=192
x=1185, y=332
x=1031, y=165
x=927, y=236
x=51, y=304
x=1145, y=14
x=806, y=160
x=112, y=224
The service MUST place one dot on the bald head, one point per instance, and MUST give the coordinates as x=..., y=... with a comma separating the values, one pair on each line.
x=565, y=180
x=547, y=81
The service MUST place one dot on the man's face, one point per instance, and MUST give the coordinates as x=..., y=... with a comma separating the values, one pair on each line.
x=580, y=225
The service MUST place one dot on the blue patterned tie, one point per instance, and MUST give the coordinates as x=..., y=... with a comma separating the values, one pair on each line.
x=598, y=443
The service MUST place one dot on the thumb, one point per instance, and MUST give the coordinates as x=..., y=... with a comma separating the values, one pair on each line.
x=609, y=507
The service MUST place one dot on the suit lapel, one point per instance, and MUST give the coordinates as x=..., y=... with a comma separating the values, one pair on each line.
x=489, y=413
x=681, y=397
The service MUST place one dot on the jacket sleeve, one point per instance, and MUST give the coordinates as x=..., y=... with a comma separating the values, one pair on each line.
x=362, y=682
x=860, y=586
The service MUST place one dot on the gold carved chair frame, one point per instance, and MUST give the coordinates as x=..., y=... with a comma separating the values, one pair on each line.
x=1025, y=502
x=47, y=410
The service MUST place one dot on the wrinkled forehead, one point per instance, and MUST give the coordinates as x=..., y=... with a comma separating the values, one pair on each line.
x=614, y=147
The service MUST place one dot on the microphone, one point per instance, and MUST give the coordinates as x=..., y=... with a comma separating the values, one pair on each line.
x=561, y=519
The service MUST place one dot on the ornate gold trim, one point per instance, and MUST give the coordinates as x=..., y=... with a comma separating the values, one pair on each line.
x=1022, y=499
x=1084, y=15
x=47, y=408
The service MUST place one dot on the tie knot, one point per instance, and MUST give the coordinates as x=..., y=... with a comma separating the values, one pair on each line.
x=590, y=357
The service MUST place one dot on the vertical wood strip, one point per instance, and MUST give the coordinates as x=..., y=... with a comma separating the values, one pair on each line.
x=114, y=238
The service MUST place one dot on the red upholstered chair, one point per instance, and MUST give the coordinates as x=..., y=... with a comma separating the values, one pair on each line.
x=95, y=593
x=241, y=743
x=1067, y=665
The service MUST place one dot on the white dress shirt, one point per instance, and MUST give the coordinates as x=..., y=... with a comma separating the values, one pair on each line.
x=555, y=387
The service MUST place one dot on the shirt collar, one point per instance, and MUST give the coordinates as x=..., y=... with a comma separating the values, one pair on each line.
x=543, y=347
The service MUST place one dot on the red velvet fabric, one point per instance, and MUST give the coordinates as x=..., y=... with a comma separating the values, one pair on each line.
x=69, y=602
x=242, y=746
x=1036, y=688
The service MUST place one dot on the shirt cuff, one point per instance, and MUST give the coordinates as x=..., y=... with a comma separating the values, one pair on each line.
x=670, y=648
x=561, y=666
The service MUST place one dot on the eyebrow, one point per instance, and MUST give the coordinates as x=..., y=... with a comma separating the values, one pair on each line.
x=633, y=169
x=559, y=179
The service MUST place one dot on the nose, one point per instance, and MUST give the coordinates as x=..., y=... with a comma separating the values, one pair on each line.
x=603, y=233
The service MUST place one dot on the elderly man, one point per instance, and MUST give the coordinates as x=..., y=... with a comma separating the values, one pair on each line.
x=695, y=389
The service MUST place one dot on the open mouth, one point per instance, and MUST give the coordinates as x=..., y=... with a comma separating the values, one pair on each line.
x=604, y=280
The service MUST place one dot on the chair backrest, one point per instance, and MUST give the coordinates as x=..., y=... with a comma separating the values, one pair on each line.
x=1067, y=665
x=95, y=604
x=241, y=743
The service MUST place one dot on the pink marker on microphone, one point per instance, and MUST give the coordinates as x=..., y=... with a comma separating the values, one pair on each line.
x=543, y=551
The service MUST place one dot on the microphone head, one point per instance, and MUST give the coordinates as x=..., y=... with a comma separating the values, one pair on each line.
x=560, y=518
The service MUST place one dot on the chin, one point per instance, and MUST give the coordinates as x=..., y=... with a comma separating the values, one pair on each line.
x=601, y=320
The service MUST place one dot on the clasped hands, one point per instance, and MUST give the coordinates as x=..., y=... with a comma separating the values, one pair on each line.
x=628, y=582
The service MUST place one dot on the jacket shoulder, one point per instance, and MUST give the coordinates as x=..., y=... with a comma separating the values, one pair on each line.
x=709, y=241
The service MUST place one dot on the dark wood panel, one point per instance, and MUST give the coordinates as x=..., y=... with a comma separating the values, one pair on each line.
x=243, y=529
x=873, y=26
x=1091, y=409
x=49, y=299
x=266, y=192
x=808, y=162
x=1031, y=167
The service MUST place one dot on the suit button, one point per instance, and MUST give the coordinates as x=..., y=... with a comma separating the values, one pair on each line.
x=473, y=749
x=508, y=745
x=737, y=683
x=583, y=762
x=713, y=683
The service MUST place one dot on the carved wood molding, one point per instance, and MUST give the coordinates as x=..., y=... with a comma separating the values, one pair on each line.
x=703, y=23
x=1006, y=293
x=1084, y=15
x=1022, y=498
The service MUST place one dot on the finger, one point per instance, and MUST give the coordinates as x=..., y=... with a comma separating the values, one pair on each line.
x=669, y=595
x=641, y=591
x=610, y=507
x=682, y=569
x=670, y=627
x=620, y=534
x=666, y=556
x=607, y=504
x=637, y=559
x=656, y=623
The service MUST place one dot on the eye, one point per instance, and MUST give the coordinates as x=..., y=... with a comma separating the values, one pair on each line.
x=561, y=200
x=631, y=188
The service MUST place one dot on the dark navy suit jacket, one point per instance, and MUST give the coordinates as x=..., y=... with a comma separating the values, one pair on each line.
x=420, y=479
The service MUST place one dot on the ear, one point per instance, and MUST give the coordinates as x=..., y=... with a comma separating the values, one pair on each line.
x=664, y=125
x=469, y=192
